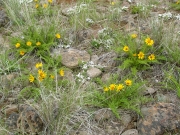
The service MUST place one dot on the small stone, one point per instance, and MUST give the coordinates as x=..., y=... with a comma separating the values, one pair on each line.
x=93, y=72
x=29, y=120
x=84, y=35
x=130, y=132
x=149, y=90
x=107, y=60
x=94, y=59
x=72, y=57
x=103, y=114
x=126, y=119
x=106, y=77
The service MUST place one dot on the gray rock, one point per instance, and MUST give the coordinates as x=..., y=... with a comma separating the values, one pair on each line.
x=159, y=118
x=130, y=132
x=107, y=60
x=93, y=72
x=103, y=114
x=126, y=119
x=94, y=59
x=29, y=120
x=68, y=75
x=106, y=77
x=149, y=90
x=72, y=57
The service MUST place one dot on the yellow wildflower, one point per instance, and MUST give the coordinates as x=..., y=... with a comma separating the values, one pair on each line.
x=39, y=65
x=112, y=3
x=61, y=72
x=126, y=48
x=28, y=43
x=128, y=82
x=134, y=35
x=35, y=0
x=149, y=41
x=151, y=57
x=45, y=5
x=112, y=86
x=18, y=45
x=42, y=75
x=38, y=43
x=140, y=55
x=50, y=1
x=106, y=89
x=134, y=54
x=37, y=5
x=22, y=52
x=120, y=87
x=31, y=78
x=52, y=76
x=58, y=35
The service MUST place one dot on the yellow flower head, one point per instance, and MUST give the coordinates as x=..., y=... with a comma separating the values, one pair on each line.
x=120, y=87
x=106, y=89
x=28, y=43
x=126, y=48
x=38, y=43
x=52, y=76
x=22, y=52
x=42, y=75
x=141, y=55
x=61, y=72
x=31, y=78
x=134, y=54
x=37, y=5
x=39, y=65
x=134, y=35
x=50, y=1
x=151, y=57
x=58, y=35
x=128, y=82
x=112, y=86
x=112, y=3
x=45, y=5
x=35, y=0
x=18, y=45
x=149, y=41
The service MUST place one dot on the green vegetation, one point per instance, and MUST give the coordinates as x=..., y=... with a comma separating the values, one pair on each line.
x=41, y=79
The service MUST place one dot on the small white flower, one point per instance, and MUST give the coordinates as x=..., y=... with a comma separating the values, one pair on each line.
x=124, y=8
x=167, y=15
x=67, y=46
x=89, y=20
x=91, y=62
x=85, y=66
x=130, y=1
x=83, y=5
x=177, y=17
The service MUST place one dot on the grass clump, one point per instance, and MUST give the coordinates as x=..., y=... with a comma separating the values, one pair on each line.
x=137, y=54
x=125, y=94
